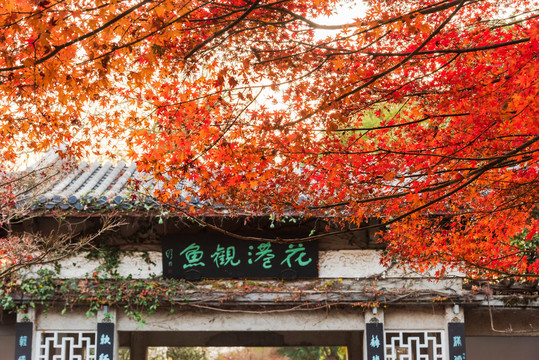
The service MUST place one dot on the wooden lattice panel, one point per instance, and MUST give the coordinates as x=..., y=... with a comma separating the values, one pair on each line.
x=73, y=345
x=415, y=345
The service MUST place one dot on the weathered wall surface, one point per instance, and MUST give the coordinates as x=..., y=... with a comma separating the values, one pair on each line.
x=414, y=318
x=334, y=264
x=507, y=322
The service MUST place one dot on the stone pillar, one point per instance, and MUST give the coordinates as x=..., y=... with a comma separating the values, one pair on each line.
x=137, y=348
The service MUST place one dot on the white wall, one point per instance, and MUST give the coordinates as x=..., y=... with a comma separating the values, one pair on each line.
x=344, y=264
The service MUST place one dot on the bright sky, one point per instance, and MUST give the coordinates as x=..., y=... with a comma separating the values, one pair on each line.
x=346, y=12
x=344, y=15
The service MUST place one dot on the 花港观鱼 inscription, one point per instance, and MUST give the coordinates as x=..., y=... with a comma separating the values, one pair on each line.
x=197, y=258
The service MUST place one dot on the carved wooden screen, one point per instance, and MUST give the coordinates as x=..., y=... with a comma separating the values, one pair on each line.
x=72, y=345
x=415, y=345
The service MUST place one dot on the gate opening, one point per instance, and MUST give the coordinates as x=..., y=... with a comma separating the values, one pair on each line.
x=242, y=353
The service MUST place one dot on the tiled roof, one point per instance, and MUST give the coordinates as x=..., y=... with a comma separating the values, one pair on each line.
x=94, y=185
x=90, y=184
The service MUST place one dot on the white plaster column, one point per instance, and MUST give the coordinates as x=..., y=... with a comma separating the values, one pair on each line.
x=374, y=314
x=453, y=313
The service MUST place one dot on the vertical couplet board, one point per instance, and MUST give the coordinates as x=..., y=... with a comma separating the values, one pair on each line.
x=375, y=341
x=226, y=257
x=23, y=340
x=105, y=341
x=457, y=345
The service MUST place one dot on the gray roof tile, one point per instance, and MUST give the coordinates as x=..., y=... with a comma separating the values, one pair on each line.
x=93, y=186
x=101, y=186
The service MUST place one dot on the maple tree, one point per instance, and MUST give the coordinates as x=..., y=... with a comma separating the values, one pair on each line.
x=21, y=250
x=420, y=113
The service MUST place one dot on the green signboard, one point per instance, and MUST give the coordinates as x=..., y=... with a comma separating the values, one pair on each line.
x=198, y=257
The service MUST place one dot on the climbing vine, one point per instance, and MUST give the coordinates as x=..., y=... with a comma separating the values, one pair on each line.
x=138, y=298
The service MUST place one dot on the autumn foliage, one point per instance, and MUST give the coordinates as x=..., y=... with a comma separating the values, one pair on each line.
x=423, y=114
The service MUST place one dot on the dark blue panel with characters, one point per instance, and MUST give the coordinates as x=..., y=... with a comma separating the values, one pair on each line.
x=206, y=257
